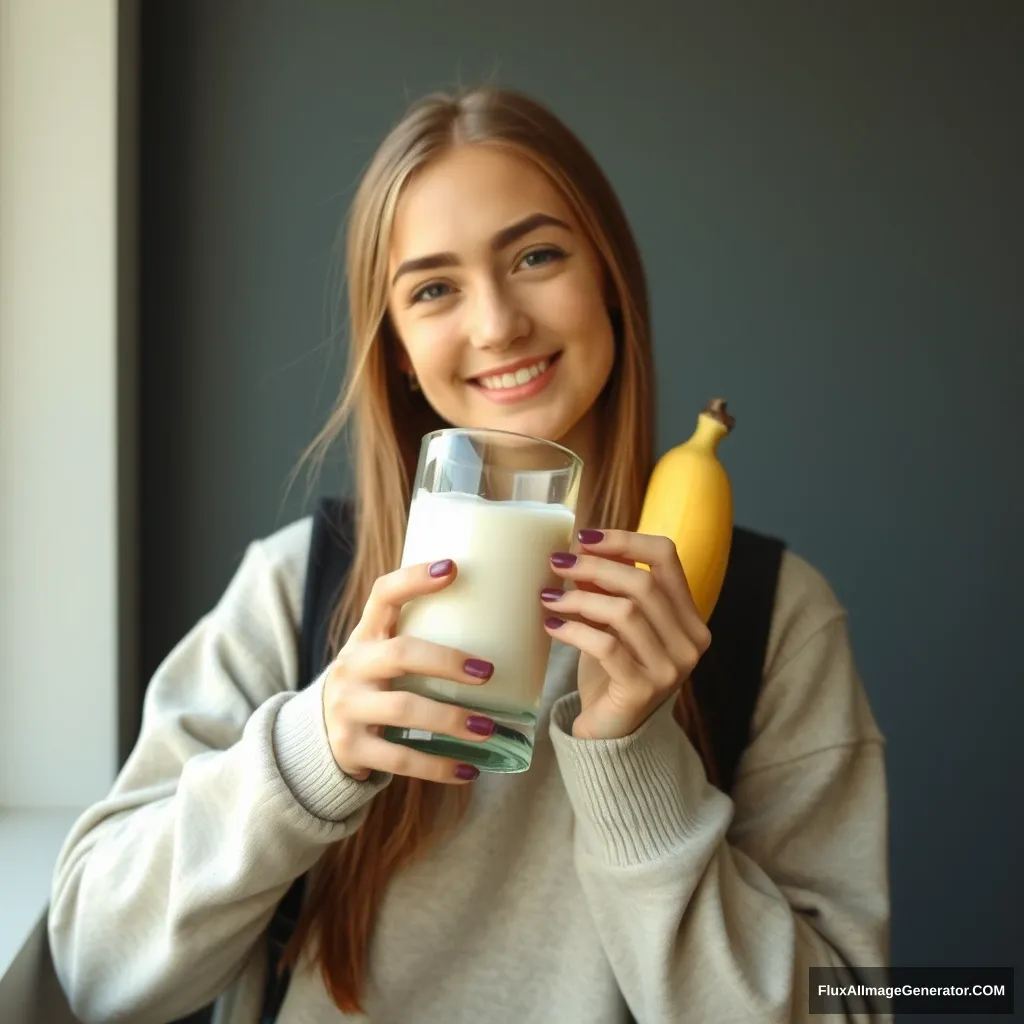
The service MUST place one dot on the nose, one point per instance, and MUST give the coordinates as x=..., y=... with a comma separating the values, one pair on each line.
x=496, y=321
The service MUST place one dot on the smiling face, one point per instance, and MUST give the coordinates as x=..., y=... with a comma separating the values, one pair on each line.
x=498, y=298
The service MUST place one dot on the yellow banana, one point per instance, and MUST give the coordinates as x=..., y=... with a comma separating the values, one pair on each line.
x=689, y=500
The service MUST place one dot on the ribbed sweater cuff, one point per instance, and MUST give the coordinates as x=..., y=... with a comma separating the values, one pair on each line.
x=307, y=765
x=636, y=799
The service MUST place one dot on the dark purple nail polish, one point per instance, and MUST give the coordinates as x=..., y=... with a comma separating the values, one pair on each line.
x=563, y=560
x=442, y=568
x=590, y=536
x=553, y=622
x=551, y=594
x=480, y=724
x=477, y=668
x=466, y=771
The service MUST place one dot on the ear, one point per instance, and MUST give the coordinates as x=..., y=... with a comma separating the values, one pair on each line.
x=611, y=295
x=407, y=369
x=395, y=344
x=618, y=324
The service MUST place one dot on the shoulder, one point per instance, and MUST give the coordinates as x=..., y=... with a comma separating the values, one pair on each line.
x=285, y=551
x=812, y=695
x=273, y=570
x=805, y=602
x=269, y=580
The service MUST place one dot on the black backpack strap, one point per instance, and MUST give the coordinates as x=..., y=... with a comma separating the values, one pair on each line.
x=727, y=680
x=330, y=555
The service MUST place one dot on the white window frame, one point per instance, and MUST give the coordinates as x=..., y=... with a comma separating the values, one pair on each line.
x=67, y=430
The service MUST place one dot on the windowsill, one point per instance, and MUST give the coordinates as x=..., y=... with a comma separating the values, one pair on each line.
x=30, y=840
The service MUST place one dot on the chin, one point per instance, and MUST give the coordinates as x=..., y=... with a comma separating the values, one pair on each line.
x=546, y=425
x=550, y=421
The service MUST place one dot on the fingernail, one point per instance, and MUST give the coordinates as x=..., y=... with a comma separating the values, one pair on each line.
x=563, y=560
x=551, y=594
x=590, y=536
x=466, y=771
x=480, y=724
x=442, y=568
x=477, y=668
x=553, y=622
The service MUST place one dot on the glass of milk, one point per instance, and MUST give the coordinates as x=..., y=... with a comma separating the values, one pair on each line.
x=498, y=504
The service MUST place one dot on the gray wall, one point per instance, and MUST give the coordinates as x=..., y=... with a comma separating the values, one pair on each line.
x=830, y=205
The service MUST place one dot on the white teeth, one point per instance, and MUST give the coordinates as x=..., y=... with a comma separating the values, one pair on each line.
x=511, y=380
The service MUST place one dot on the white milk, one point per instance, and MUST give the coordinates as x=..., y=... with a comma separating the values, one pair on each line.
x=493, y=611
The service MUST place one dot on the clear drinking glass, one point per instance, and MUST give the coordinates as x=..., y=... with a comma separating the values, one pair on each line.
x=498, y=504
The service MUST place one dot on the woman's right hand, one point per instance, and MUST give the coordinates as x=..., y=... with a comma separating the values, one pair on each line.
x=359, y=702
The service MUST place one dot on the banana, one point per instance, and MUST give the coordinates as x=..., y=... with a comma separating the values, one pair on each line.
x=689, y=500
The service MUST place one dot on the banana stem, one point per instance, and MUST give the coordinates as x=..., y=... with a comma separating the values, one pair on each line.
x=717, y=411
x=713, y=423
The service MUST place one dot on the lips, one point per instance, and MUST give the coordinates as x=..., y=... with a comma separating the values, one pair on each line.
x=511, y=388
x=514, y=375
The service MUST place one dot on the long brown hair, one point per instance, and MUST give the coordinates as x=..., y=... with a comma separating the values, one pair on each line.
x=387, y=420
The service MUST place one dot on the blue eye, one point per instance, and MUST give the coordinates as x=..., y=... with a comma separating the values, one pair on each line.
x=430, y=292
x=538, y=257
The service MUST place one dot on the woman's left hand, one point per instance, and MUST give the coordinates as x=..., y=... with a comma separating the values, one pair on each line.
x=638, y=632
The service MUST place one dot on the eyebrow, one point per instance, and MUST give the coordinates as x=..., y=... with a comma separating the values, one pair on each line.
x=502, y=240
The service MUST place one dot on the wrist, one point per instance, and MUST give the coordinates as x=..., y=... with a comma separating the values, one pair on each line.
x=306, y=761
x=615, y=726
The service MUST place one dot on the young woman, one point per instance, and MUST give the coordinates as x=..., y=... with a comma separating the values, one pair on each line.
x=611, y=879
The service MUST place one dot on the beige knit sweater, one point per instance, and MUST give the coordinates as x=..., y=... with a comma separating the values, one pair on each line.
x=610, y=878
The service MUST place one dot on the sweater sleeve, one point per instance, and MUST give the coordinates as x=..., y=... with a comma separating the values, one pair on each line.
x=164, y=887
x=714, y=907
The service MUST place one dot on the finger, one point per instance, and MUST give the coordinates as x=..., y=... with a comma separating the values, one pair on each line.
x=659, y=553
x=606, y=648
x=405, y=710
x=627, y=620
x=405, y=655
x=395, y=589
x=616, y=578
x=383, y=756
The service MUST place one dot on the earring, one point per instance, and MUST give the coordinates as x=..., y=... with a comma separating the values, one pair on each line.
x=414, y=384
